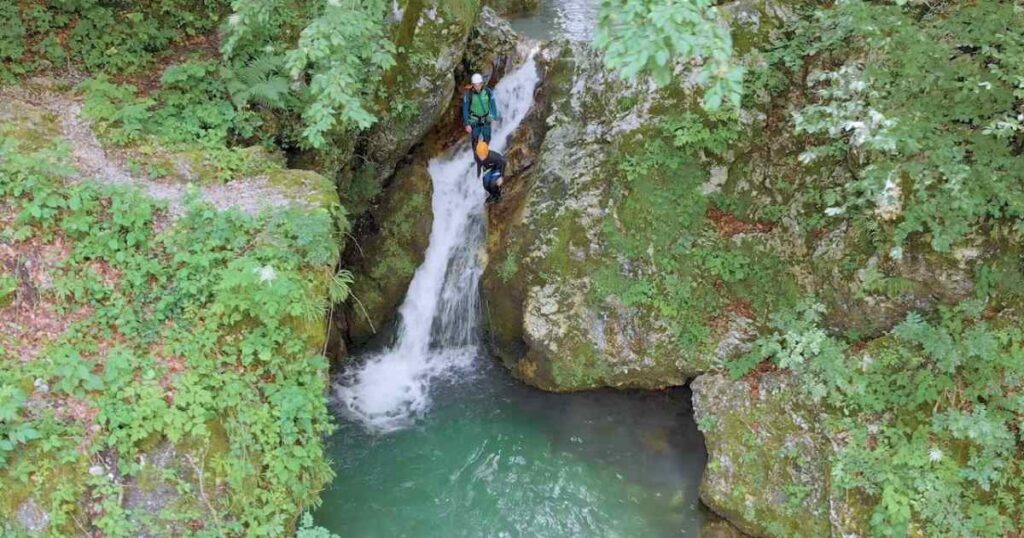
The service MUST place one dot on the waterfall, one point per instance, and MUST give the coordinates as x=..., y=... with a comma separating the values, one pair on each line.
x=439, y=320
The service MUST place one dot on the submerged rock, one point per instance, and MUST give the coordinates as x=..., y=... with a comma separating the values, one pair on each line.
x=717, y=527
x=514, y=7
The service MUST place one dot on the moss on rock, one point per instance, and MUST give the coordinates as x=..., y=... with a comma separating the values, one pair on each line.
x=431, y=38
x=33, y=127
x=588, y=281
x=767, y=470
x=394, y=240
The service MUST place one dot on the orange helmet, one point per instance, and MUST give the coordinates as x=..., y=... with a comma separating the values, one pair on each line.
x=482, y=150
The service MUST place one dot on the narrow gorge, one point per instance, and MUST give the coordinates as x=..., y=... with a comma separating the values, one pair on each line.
x=755, y=270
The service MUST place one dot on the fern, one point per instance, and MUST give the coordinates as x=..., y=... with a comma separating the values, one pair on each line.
x=261, y=80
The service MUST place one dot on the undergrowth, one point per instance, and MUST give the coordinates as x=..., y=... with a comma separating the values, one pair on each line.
x=926, y=419
x=203, y=333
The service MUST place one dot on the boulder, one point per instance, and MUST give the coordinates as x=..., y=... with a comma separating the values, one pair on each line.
x=491, y=48
x=767, y=470
x=547, y=249
x=394, y=238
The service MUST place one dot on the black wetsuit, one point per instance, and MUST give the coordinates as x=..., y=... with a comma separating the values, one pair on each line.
x=493, y=161
x=493, y=169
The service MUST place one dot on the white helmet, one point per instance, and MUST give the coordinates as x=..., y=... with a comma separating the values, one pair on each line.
x=477, y=78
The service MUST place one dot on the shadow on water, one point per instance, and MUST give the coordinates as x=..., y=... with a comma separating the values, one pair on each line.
x=496, y=458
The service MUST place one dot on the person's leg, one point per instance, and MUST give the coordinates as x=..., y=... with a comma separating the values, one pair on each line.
x=485, y=131
x=490, y=187
x=491, y=180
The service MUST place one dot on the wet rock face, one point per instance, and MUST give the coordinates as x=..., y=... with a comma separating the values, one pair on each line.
x=392, y=244
x=491, y=49
x=442, y=43
x=767, y=469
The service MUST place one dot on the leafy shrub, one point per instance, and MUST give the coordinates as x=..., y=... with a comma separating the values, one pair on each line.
x=926, y=416
x=339, y=55
x=103, y=36
x=210, y=320
x=929, y=119
x=650, y=36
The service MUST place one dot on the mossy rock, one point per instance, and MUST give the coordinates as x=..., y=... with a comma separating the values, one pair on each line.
x=38, y=493
x=542, y=249
x=32, y=127
x=431, y=38
x=200, y=166
x=551, y=318
x=394, y=239
x=767, y=470
x=491, y=48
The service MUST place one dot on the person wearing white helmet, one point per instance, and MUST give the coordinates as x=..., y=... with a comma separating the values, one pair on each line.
x=479, y=109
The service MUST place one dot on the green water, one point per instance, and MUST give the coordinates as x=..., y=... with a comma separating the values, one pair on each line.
x=493, y=458
x=574, y=20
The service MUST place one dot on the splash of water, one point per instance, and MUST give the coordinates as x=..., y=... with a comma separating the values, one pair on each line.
x=438, y=329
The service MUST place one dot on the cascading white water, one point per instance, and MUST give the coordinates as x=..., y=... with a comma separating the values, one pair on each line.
x=437, y=333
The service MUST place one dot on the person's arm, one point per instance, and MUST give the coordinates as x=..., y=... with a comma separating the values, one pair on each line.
x=465, y=109
x=494, y=107
x=497, y=162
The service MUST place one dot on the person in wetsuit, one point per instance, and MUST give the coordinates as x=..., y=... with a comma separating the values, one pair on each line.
x=491, y=165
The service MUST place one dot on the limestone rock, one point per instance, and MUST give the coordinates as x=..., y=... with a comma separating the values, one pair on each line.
x=32, y=518
x=150, y=492
x=491, y=47
x=547, y=321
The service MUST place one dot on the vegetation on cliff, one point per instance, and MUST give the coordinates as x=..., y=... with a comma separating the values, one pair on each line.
x=128, y=330
x=163, y=366
x=822, y=202
x=850, y=227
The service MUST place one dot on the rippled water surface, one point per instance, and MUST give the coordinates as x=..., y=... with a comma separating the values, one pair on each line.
x=572, y=19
